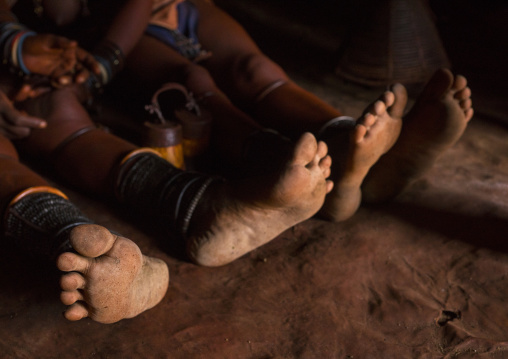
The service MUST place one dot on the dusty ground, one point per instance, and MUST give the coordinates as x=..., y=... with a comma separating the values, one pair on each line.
x=422, y=277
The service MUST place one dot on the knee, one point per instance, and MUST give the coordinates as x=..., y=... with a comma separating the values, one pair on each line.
x=65, y=115
x=253, y=72
x=197, y=79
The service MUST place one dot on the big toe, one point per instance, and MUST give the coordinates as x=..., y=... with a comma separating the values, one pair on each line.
x=439, y=83
x=305, y=149
x=399, y=104
x=459, y=83
x=91, y=240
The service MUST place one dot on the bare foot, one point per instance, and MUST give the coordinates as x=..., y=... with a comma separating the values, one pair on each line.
x=236, y=218
x=435, y=123
x=109, y=278
x=374, y=134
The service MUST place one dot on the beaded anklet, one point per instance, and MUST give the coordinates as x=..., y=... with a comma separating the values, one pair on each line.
x=39, y=220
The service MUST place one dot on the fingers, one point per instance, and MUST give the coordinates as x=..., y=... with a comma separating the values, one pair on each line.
x=30, y=91
x=88, y=61
x=82, y=76
x=61, y=42
x=15, y=124
x=14, y=133
x=35, y=92
x=76, y=65
x=22, y=120
x=59, y=58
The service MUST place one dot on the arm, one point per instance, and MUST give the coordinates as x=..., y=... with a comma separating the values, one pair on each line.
x=124, y=32
x=27, y=52
x=129, y=24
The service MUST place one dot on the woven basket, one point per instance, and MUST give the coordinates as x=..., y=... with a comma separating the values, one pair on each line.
x=393, y=41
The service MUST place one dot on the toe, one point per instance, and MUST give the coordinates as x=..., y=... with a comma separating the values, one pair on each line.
x=70, y=262
x=469, y=114
x=463, y=94
x=322, y=149
x=75, y=312
x=327, y=172
x=70, y=297
x=466, y=104
x=360, y=132
x=379, y=108
x=72, y=281
x=329, y=186
x=325, y=162
x=400, y=101
x=91, y=240
x=437, y=86
x=325, y=165
x=388, y=98
x=305, y=149
x=459, y=83
x=369, y=119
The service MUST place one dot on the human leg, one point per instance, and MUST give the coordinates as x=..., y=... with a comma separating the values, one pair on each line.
x=154, y=63
x=40, y=220
x=434, y=124
x=244, y=73
x=207, y=213
x=81, y=153
x=222, y=220
x=359, y=148
x=261, y=86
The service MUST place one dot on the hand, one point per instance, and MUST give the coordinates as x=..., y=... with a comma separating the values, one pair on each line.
x=15, y=124
x=86, y=64
x=59, y=58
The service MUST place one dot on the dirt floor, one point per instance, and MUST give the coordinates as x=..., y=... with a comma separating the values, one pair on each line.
x=425, y=276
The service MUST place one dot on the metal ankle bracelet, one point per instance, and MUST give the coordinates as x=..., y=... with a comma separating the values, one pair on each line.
x=339, y=123
x=269, y=89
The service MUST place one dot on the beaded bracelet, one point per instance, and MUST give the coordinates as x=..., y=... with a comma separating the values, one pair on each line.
x=111, y=60
x=12, y=37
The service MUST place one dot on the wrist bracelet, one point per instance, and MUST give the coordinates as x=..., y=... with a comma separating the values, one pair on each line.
x=12, y=37
x=19, y=51
x=111, y=60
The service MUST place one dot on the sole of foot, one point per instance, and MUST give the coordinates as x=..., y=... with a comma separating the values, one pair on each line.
x=237, y=217
x=435, y=123
x=355, y=151
x=109, y=278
